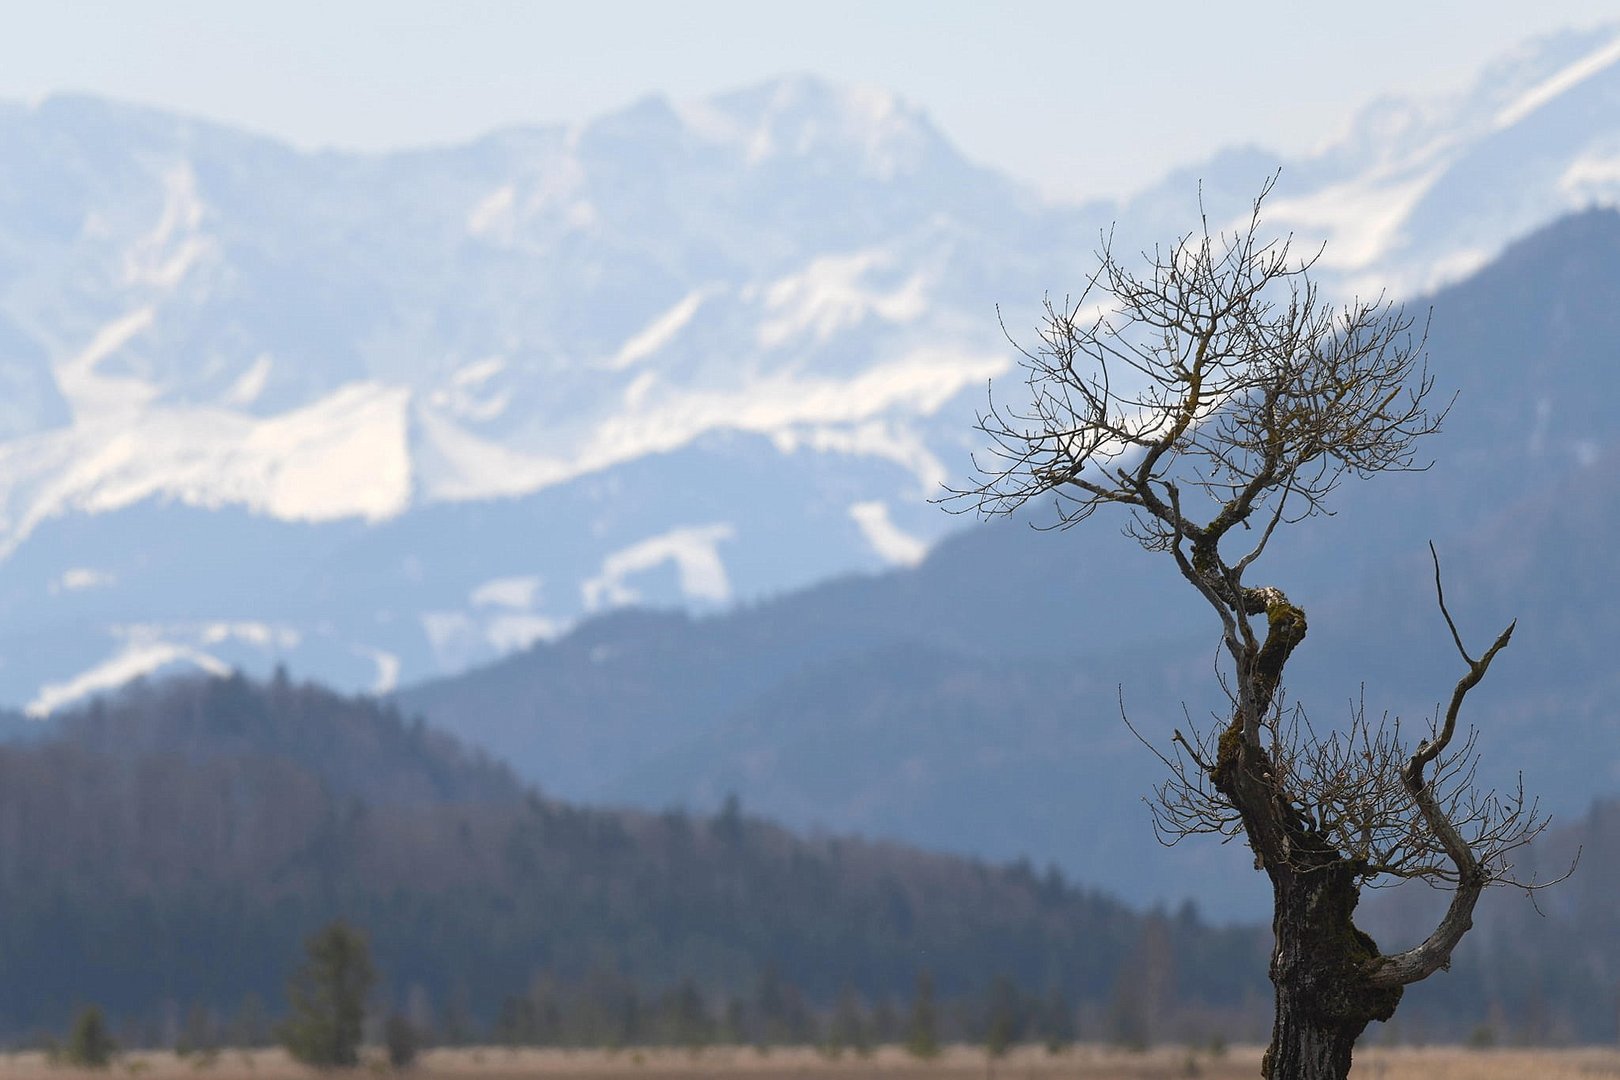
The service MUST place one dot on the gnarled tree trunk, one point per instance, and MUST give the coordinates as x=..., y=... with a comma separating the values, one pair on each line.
x=1321, y=961
x=1319, y=970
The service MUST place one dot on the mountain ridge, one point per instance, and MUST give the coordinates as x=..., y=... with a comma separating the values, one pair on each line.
x=633, y=340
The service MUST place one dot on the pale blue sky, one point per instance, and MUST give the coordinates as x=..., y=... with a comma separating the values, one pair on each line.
x=1080, y=98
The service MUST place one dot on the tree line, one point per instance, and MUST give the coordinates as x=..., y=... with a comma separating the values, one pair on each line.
x=331, y=1010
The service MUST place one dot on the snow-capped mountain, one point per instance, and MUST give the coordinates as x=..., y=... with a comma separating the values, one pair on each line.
x=1417, y=194
x=681, y=353
x=383, y=416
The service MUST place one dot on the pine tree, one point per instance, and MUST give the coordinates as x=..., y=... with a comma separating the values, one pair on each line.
x=250, y=1028
x=885, y=1022
x=327, y=998
x=685, y=1018
x=402, y=1039
x=199, y=1035
x=458, y=1019
x=922, y=1035
x=848, y=1028
x=1001, y=1026
x=1057, y=1028
x=90, y=1045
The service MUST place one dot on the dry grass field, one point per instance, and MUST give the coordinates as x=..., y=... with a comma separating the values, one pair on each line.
x=957, y=1063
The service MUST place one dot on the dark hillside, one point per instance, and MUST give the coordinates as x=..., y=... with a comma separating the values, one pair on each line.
x=170, y=847
x=15, y=727
x=173, y=844
x=357, y=748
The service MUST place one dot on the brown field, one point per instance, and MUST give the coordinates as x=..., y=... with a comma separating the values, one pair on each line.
x=890, y=1063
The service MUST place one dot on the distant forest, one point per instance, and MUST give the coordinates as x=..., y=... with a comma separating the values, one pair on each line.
x=164, y=852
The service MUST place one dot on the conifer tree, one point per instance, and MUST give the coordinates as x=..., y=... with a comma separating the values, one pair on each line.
x=328, y=998
x=848, y=1028
x=1001, y=1025
x=402, y=1040
x=922, y=1033
x=90, y=1045
x=1056, y=1021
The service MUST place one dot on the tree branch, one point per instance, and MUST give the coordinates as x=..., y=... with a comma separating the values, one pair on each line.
x=1435, y=951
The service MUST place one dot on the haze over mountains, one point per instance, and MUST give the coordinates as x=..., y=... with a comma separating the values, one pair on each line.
x=384, y=417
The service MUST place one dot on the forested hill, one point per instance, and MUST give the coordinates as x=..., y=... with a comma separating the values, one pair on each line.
x=15, y=727
x=163, y=853
x=170, y=847
x=357, y=748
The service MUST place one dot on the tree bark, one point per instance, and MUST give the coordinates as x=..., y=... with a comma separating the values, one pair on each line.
x=1324, y=998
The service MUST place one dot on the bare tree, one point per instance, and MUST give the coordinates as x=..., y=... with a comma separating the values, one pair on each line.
x=1215, y=397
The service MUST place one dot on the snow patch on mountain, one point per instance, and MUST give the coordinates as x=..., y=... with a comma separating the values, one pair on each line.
x=135, y=659
x=694, y=551
x=344, y=455
x=520, y=592
x=1360, y=219
x=460, y=637
x=886, y=440
x=828, y=296
x=250, y=384
x=162, y=257
x=1593, y=175
x=388, y=668
x=451, y=634
x=493, y=212
x=512, y=631
x=890, y=541
x=656, y=415
x=469, y=395
x=93, y=395
x=1558, y=84
x=510, y=621
x=455, y=465
x=660, y=332
x=77, y=578
x=146, y=648
x=666, y=417
x=262, y=635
